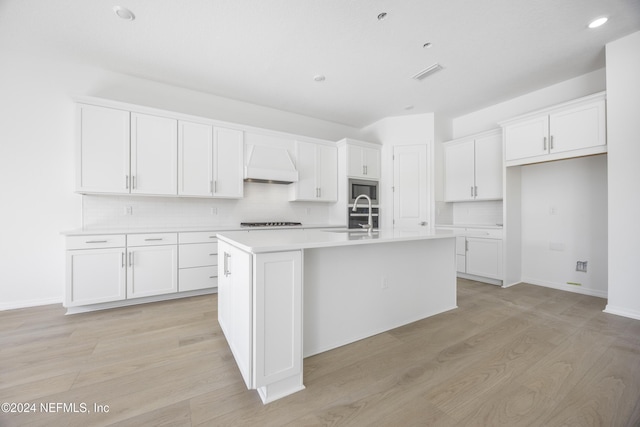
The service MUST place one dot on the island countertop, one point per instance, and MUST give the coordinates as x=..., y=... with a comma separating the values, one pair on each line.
x=262, y=241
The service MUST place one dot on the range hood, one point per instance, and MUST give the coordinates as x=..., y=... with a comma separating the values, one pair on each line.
x=269, y=164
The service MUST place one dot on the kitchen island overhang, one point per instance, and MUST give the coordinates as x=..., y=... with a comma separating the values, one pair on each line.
x=286, y=295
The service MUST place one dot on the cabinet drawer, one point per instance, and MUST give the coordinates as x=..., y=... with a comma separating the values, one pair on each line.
x=488, y=233
x=152, y=239
x=190, y=279
x=97, y=241
x=197, y=255
x=198, y=237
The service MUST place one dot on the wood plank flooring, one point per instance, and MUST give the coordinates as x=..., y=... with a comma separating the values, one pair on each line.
x=522, y=356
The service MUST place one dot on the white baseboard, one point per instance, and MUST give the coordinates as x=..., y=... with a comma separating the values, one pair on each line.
x=565, y=287
x=29, y=303
x=480, y=279
x=621, y=311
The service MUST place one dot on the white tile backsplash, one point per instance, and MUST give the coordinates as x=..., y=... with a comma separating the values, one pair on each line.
x=261, y=202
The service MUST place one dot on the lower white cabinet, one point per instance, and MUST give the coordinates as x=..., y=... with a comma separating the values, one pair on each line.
x=152, y=270
x=479, y=253
x=260, y=302
x=197, y=261
x=95, y=276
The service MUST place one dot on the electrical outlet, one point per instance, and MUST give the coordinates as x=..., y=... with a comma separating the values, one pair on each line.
x=128, y=210
x=214, y=211
x=581, y=266
x=385, y=285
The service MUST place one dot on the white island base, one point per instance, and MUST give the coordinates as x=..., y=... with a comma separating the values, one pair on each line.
x=287, y=295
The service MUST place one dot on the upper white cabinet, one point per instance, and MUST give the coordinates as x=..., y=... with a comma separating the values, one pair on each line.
x=318, y=173
x=363, y=161
x=154, y=149
x=210, y=161
x=473, y=168
x=123, y=152
x=572, y=129
x=102, y=150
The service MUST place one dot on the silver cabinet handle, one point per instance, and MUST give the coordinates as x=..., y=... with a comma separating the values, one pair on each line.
x=211, y=187
x=96, y=241
x=215, y=186
x=544, y=143
x=466, y=246
x=472, y=191
x=213, y=254
x=212, y=237
x=212, y=277
x=122, y=259
x=475, y=191
x=126, y=181
x=226, y=264
x=133, y=182
x=130, y=259
x=423, y=223
x=551, y=142
x=154, y=240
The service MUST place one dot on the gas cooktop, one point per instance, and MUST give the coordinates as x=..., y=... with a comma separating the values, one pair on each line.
x=270, y=224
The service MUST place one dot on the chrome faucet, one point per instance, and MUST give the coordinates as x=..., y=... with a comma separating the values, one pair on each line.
x=369, y=225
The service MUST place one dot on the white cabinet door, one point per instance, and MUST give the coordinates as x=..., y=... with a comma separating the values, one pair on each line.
x=278, y=311
x=154, y=155
x=306, y=162
x=459, y=170
x=529, y=138
x=152, y=270
x=484, y=257
x=577, y=128
x=102, y=150
x=363, y=162
x=461, y=254
x=95, y=276
x=195, y=159
x=488, y=167
x=228, y=160
x=410, y=204
x=235, y=306
x=327, y=173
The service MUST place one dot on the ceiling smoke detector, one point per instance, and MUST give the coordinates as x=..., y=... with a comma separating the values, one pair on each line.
x=427, y=71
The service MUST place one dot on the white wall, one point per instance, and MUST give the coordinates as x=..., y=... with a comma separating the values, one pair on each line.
x=564, y=220
x=623, y=137
x=37, y=156
x=413, y=129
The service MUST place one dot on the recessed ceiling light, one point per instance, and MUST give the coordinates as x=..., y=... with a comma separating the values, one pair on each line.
x=598, y=22
x=408, y=107
x=427, y=45
x=319, y=78
x=382, y=15
x=427, y=71
x=124, y=13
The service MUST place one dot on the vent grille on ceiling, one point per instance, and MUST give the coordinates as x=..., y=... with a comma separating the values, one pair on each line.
x=427, y=71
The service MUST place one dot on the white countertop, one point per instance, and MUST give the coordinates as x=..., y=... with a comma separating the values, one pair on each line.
x=491, y=226
x=288, y=240
x=190, y=229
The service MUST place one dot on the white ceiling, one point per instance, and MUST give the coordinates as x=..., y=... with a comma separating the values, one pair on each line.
x=267, y=51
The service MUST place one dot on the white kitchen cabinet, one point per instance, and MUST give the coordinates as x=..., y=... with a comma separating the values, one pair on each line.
x=363, y=161
x=197, y=261
x=125, y=153
x=102, y=150
x=484, y=257
x=572, y=129
x=152, y=264
x=96, y=269
x=318, y=173
x=154, y=152
x=210, y=161
x=235, y=306
x=269, y=287
x=473, y=168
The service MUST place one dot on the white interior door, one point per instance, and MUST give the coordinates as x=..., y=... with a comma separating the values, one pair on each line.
x=410, y=182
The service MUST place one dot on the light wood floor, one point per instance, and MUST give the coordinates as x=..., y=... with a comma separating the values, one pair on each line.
x=521, y=356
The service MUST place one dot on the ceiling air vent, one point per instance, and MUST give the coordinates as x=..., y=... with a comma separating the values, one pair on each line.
x=427, y=71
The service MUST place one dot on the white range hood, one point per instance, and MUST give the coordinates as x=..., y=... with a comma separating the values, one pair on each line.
x=269, y=164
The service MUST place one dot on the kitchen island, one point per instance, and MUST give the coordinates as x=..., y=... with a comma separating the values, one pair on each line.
x=285, y=295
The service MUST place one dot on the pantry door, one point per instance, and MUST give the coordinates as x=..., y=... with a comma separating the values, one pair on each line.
x=410, y=186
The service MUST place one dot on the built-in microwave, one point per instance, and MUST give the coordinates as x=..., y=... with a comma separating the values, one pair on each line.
x=363, y=186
